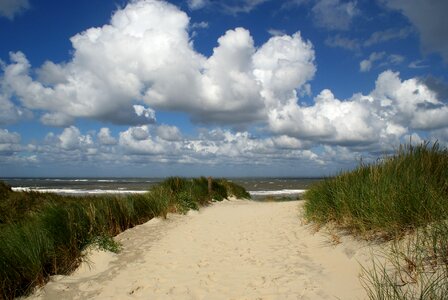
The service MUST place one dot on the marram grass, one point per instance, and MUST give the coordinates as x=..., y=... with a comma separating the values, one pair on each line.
x=398, y=193
x=404, y=198
x=43, y=234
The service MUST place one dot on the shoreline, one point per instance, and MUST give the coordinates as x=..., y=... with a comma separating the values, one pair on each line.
x=282, y=192
x=231, y=249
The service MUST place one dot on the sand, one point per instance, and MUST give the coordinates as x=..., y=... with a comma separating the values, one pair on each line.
x=229, y=250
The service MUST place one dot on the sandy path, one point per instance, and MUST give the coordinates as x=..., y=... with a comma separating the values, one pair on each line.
x=230, y=250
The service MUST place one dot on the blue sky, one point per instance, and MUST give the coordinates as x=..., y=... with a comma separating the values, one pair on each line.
x=222, y=88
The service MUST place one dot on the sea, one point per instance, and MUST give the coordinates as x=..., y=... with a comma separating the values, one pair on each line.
x=256, y=186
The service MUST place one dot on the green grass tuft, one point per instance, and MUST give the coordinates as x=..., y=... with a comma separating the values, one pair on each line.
x=398, y=193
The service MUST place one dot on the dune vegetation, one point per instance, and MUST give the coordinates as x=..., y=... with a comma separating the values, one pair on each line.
x=403, y=199
x=44, y=234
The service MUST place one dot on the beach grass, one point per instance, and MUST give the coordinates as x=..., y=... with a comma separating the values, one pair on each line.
x=44, y=234
x=397, y=193
x=414, y=267
x=402, y=198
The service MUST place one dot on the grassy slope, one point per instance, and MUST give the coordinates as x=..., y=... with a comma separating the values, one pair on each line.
x=43, y=234
x=407, y=192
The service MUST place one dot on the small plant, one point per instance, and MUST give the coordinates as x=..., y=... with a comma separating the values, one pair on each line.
x=415, y=267
x=106, y=243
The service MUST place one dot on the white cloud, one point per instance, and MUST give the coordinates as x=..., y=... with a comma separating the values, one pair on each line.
x=366, y=64
x=110, y=67
x=384, y=116
x=240, y=6
x=229, y=6
x=429, y=17
x=197, y=4
x=409, y=103
x=387, y=35
x=56, y=119
x=417, y=64
x=287, y=142
x=7, y=137
x=120, y=69
x=139, y=145
x=105, y=137
x=395, y=59
x=10, y=8
x=201, y=25
x=10, y=113
x=169, y=133
x=9, y=142
x=334, y=14
x=72, y=139
x=329, y=120
x=381, y=59
x=276, y=32
x=282, y=65
x=137, y=140
x=343, y=42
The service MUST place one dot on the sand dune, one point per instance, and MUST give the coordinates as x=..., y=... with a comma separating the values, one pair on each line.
x=230, y=250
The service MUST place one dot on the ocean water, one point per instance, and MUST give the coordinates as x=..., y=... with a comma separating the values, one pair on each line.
x=257, y=187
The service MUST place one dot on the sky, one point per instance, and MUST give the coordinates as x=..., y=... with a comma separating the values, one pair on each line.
x=148, y=88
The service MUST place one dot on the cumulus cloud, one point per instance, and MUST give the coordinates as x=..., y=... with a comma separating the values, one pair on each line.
x=169, y=133
x=10, y=8
x=409, y=103
x=137, y=140
x=143, y=145
x=11, y=113
x=429, y=19
x=144, y=60
x=329, y=120
x=9, y=142
x=282, y=65
x=105, y=137
x=334, y=14
x=438, y=85
x=72, y=139
x=91, y=96
x=384, y=116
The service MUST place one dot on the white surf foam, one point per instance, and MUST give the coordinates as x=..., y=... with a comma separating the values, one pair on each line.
x=73, y=191
x=277, y=192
